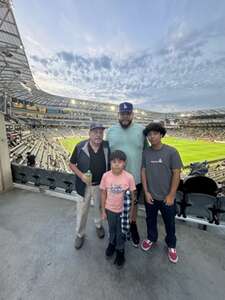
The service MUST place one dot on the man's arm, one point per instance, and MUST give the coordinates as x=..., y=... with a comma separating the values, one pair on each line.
x=81, y=175
x=169, y=200
x=103, y=200
x=148, y=196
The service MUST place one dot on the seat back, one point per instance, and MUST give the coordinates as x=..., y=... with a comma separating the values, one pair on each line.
x=200, y=184
x=221, y=208
x=200, y=205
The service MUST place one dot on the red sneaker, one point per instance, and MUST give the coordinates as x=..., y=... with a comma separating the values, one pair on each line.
x=172, y=255
x=146, y=245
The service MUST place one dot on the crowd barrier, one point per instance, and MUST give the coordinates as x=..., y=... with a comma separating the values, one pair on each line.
x=40, y=177
x=197, y=198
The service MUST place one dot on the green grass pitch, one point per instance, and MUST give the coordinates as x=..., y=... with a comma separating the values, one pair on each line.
x=190, y=150
x=70, y=143
x=196, y=150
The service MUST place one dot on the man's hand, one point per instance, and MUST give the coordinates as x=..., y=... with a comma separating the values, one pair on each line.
x=148, y=198
x=169, y=200
x=103, y=215
x=85, y=179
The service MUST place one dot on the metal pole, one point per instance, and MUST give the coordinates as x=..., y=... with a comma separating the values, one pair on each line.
x=5, y=101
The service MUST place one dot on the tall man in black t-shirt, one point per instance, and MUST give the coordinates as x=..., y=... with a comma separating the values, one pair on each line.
x=92, y=155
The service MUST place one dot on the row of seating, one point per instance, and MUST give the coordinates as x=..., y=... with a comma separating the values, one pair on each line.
x=48, y=153
x=200, y=197
x=212, y=133
x=217, y=172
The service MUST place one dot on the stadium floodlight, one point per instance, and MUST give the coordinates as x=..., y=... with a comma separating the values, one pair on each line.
x=73, y=101
x=8, y=50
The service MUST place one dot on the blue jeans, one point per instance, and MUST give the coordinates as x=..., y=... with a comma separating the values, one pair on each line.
x=168, y=215
x=116, y=237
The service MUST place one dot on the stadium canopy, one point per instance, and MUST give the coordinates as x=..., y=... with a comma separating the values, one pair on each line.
x=16, y=78
x=15, y=75
x=17, y=82
x=203, y=113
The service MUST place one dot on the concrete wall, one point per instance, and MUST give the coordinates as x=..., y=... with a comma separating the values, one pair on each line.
x=5, y=170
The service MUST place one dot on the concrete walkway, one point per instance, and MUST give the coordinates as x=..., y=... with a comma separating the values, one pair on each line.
x=38, y=260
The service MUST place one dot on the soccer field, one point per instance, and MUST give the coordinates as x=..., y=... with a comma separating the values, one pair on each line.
x=196, y=150
x=70, y=143
x=190, y=150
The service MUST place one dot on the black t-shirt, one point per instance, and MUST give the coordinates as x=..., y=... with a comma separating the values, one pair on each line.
x=97, y=164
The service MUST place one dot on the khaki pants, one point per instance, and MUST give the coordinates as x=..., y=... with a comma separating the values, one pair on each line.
x=83, y=205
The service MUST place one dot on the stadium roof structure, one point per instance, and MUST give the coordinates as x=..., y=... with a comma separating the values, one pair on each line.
x=200, y=113
x=15, y=74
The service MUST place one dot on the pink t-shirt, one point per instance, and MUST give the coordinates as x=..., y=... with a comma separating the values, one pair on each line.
x=116, y=185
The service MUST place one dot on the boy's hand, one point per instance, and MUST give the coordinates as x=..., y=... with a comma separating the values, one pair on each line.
x=148, y=198
x=132, y=217
x=169, y=200
x=103, y=215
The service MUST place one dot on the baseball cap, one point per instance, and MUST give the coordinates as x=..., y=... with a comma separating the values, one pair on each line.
x=125, y=107
x=96, y=125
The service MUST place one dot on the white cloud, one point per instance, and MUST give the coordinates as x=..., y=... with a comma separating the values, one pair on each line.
x=172, y=78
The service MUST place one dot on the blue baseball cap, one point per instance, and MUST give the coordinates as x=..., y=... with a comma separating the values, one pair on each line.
x=125, y=107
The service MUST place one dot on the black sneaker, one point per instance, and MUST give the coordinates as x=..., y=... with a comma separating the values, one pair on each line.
x=100, y=232
x=79, y=242
x=120, y=259
x=134, y=234
x=109, y=251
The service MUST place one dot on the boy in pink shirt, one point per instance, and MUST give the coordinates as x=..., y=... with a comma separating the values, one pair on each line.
x=113, y=185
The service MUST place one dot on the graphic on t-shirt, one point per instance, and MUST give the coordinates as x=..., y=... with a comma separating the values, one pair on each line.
x=159, y=161
x=116, y=189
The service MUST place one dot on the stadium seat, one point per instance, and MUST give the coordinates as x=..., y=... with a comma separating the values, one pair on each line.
x=201, y=206
x=36, y=180
x=200, y=184
x=179, y=201
x=69, y=185
x=180, y=198
x=221, y=209
x=197, y=197
x=52, y=185
x=23, y=177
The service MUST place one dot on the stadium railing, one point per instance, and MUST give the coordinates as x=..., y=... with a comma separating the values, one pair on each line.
x=195, y=207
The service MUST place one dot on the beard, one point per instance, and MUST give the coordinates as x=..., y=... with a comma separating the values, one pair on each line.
x=125, y=125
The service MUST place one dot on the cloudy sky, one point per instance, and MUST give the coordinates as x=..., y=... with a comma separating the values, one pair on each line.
x=164, y=55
